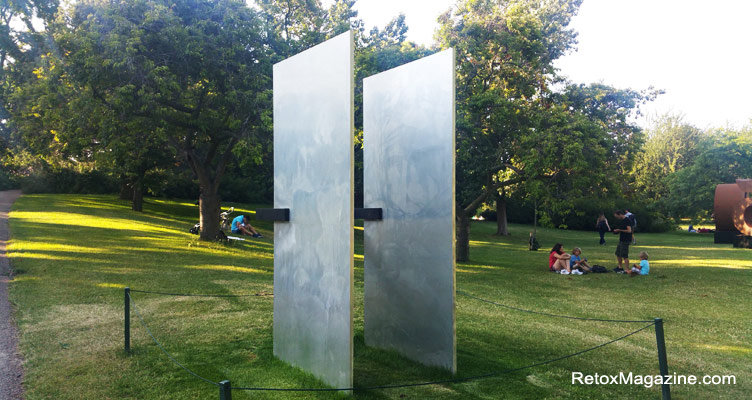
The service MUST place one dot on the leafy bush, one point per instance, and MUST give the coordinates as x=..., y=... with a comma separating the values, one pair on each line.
x=67, y=181
x=7, y=181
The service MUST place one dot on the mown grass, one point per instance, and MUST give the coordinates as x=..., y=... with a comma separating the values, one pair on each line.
x=74, y=254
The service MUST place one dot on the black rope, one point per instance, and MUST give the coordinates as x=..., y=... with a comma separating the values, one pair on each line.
x=163, y=349
x=204, y=295
x=469, y=378
x=546, y=314
x=407, y=385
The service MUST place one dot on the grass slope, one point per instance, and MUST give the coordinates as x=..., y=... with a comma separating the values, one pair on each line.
x=74, y=254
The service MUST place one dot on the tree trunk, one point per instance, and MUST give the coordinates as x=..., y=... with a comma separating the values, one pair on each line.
x=501, y=215
x=126, y=193
x=209, y=204
x=138, y=195
x=535, y=218
x=463, y=236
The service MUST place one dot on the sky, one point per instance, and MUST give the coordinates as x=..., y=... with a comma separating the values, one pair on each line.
x=699, y=52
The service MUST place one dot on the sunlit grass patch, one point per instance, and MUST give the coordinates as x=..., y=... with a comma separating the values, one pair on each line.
x=230, y=268
x=705, y=262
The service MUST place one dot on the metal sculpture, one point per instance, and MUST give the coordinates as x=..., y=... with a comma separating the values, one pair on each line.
x=408, y=125
x=313, y=179
x=733, y=210
x=409, y=174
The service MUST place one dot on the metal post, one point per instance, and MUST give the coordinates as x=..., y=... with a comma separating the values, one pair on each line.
x=127, y=320
x=662, y=361
x=225, y=392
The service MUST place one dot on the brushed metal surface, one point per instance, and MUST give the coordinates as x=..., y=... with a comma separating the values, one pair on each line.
x=409, y=155
x=313, y=177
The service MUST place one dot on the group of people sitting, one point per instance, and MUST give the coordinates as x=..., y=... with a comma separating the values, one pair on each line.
x=566, y=264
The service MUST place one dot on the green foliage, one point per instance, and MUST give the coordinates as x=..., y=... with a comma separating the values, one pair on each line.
x=505, y=52
x=514, y=131
x=723, y=156
x=671, y=145
x=583, y=148
x=297, y=25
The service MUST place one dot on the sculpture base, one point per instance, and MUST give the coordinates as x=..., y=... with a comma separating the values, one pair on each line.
x=743, y=242
x=725, y=236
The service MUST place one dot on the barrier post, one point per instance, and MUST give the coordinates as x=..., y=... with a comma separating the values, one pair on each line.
x=225, y=392
x=662, y=361
x=127, y=332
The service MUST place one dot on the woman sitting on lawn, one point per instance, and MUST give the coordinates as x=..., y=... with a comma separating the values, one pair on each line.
x=558, y=260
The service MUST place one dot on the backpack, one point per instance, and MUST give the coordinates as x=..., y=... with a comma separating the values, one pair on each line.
x=633, y=221
x=598, y=269
x=533, y=244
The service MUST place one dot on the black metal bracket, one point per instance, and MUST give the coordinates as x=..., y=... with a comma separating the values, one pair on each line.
x=273, y=214
x=369, y=214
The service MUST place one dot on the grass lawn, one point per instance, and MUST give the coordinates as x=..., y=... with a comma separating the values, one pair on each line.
x=73, y=255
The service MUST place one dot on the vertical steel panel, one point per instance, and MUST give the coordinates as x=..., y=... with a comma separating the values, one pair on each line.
x=409, y=155
x=313, y=252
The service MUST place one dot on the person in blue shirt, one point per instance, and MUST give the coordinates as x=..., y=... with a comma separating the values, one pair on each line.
x=241, y=226
x=576, y=262
x=643, y=268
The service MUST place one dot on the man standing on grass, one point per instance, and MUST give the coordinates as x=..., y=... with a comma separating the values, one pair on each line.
x=633, y=221
x=625, y=238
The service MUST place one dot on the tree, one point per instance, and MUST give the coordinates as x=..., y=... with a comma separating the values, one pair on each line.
x=513, y=130
x=724, y=156
x=197, y=70
x=585, y=150
x=671, y=145
x=505, y=53
x=21, y=48
x=297, y=25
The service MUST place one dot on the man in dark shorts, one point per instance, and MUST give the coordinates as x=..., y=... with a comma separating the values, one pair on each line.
x=625, y=238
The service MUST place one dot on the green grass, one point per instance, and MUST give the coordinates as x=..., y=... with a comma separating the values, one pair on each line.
x=74, y=254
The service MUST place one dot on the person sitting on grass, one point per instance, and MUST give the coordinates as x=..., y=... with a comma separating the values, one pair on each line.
x=578, y=263
x=558, y=261
x=643, y=268
x=240, y=226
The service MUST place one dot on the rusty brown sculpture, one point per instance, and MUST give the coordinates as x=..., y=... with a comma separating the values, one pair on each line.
x=733, y=210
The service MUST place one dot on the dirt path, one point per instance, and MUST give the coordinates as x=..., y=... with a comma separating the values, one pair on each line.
x=11, y=364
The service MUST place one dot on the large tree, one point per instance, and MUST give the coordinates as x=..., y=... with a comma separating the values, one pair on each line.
x=519, y=125
x=197, y=70
x=505, y=53
x=582, y=150
x=671, y=145
x=22, y=45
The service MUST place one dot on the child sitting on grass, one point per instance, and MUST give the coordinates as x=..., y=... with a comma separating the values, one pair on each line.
x=576, y=262
x=643, y=268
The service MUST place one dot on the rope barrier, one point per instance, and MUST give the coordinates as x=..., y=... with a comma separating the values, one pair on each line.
x=204, y=295
x=138, y=314
x=396, y=386
x=457, y=380
x=547, y=314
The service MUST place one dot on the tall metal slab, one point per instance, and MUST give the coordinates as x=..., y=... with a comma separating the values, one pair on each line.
x=313, y=177
x=409, y=155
